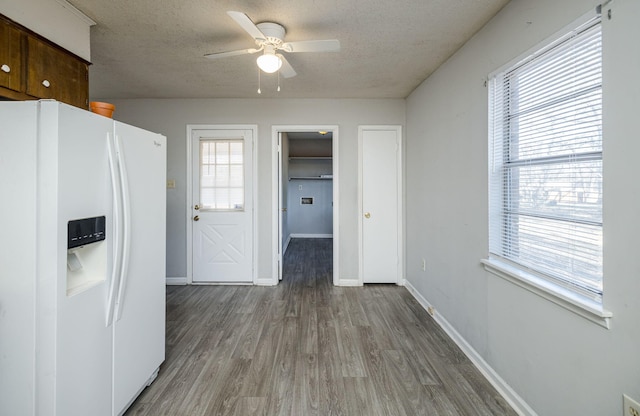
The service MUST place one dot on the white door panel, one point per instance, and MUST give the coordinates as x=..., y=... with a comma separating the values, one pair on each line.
x=380, y=196
x=222, y=206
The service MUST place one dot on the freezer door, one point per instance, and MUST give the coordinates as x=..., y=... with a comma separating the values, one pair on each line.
x=74, y=344
x=18, y=163
x=139, y=324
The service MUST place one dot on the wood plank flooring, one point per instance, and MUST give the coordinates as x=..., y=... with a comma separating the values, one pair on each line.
x=306, y=347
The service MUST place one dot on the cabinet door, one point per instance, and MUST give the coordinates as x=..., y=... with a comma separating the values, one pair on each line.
x=52, y=73
x=10, y=57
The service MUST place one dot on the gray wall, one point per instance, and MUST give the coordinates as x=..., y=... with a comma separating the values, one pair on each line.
x=560, y=363
x=316, y=218
x=313, y=219
x=171, y=116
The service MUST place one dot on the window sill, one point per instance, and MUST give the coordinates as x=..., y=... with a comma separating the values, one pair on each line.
x=558, y=295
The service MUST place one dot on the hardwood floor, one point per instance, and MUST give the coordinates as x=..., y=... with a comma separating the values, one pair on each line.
x=306, y=347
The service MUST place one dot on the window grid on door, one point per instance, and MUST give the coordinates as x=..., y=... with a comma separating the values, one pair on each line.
x=222, y=174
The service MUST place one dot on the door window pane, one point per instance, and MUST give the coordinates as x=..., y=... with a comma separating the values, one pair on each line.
x=221, y=174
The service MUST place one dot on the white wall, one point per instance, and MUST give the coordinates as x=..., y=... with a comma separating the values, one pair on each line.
x=57, y=21
x=170, y=117
x=558, y=362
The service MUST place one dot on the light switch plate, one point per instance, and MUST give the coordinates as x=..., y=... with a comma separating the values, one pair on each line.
x=631, y=407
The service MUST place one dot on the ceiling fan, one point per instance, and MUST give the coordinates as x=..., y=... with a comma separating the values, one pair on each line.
x=269, y=38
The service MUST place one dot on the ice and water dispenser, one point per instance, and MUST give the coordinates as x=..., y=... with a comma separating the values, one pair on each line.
x=86, y=253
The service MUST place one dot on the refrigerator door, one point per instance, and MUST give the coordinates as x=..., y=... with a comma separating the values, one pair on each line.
x=139, y=322
x=74, y=344
x=18, y=165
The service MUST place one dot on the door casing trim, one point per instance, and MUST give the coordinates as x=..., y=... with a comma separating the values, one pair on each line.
x=275, y=130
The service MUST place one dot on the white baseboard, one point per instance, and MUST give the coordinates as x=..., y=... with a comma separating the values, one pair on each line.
x=176, y=281
x=515, y=401
x=311, y=236
x=349, y=282
x=181, y=281
x=266, y=281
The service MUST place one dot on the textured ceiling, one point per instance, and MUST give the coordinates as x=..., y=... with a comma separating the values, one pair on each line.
x=155, y=48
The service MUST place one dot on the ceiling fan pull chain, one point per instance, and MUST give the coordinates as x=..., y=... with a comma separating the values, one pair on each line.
x=278, y=80
x=259, y=92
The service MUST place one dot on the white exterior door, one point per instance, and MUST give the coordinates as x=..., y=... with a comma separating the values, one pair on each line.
x=222, y=206
x=381, y=204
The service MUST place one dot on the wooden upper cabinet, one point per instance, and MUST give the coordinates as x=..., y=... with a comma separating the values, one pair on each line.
x=52, y=73
x=10, y=57
x=31, y=67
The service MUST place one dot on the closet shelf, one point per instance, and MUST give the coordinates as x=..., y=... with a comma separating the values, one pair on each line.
x=320, y=178
x=310, y=158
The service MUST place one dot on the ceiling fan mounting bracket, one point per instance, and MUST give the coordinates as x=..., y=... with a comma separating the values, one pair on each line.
x=274, y=33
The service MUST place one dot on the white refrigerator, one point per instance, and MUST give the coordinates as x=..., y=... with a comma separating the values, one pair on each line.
x=82, y=266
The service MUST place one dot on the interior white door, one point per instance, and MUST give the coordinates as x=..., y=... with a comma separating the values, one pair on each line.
x=282, y=211
x=380, y=196
x=222, y=206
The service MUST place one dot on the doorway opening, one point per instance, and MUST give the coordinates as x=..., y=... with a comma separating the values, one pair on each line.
x=305, y=189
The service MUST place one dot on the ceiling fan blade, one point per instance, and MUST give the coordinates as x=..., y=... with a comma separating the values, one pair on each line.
x=231, y=53
x=328, y=45
x=286, y=70
x=247, y=24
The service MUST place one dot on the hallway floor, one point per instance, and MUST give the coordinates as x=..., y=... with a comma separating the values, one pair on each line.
x=306, y=347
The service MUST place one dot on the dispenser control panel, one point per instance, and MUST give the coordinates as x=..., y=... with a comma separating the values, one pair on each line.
x=85, y=231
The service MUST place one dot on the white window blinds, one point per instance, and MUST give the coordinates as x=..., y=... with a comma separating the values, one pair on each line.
x=545, y=185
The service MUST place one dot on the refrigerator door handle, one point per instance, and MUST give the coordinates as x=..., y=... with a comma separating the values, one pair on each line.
x=117, y=234
x=126, y=227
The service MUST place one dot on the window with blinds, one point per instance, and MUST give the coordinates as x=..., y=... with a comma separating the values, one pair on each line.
x=221, y=174
x=545, y=184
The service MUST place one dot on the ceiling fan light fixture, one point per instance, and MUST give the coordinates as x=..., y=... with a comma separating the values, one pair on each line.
x=269, y=62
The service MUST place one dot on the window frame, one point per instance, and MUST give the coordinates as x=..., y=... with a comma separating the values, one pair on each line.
x=215, y=165
x=535, y=281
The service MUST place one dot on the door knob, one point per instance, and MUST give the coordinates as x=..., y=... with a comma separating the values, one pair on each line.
x=197, y=207
x=367, y=215
x=196, y=218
